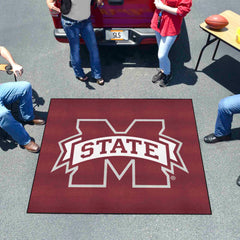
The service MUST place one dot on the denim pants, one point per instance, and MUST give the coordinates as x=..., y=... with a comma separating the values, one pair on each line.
x=73, y=30
x=164, y=46
x=9, y=93
x=226, y=108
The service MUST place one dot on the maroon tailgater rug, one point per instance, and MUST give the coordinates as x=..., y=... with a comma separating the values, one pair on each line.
x=138, y=156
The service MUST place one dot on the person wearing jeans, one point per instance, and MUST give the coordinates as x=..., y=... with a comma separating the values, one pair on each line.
x=75, y=24
x=227, y=107
x=164, y=46
x=11, y=92
x=166, y=21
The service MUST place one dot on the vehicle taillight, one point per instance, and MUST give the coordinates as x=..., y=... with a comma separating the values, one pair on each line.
x=149, y=41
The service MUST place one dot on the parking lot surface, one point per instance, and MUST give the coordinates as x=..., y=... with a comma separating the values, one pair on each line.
x=27, y=32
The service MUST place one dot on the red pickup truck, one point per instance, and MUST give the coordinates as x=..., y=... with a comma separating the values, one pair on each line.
x=117, y=22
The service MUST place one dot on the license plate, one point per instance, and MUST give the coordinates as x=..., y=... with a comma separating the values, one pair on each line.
x=117, y=35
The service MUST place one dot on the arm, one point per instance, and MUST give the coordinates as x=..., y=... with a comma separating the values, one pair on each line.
x=51, y=6
x=182, y=9
x=99, y=3
x=161, y=6
x=17, y=69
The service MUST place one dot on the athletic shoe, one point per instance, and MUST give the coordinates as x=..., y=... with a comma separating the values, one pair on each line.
x=157, y=77
x=165, y=80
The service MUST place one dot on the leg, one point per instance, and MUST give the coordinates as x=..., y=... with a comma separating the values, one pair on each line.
x=158, y=38
x=89, y=37
x=72, y=30
x=226, y=108
x=22, y=91
x=13, y=127
x=165, y=45
x=157, y=77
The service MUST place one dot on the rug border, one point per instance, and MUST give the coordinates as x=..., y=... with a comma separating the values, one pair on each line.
x=148, y=99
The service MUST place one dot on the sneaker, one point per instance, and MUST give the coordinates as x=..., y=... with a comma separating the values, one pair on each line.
x=165, y=80
x=157, y=77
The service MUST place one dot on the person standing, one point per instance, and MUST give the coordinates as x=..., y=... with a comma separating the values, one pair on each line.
x=22, y=92
x=166, y=22
x=75, y=23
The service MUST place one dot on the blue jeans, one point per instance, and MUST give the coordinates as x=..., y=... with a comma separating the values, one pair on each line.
x=226, y=108
x=9, y=93
x=164, y=46
x=73, y=30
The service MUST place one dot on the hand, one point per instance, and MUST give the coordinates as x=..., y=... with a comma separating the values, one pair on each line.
x=99, y=3
x=17, y=69
x=52, y=7
x=159, y=5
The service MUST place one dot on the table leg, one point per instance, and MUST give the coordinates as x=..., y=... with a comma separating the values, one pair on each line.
x=214, y=54
x=209, y=41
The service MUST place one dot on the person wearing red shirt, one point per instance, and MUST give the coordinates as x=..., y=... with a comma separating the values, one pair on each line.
x=166, y=21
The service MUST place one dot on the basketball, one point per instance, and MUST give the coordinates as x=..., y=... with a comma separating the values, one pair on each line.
x=216, y=22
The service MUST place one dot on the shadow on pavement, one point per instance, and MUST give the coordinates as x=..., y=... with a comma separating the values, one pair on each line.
x=225, y=71
x=235, y=134
x=115, y=58
x=179, y=55
x=6, y=142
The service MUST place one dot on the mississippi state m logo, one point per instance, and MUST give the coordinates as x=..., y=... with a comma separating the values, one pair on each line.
x=101, y=151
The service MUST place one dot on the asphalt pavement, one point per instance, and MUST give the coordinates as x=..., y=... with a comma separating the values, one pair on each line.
x=27, y=32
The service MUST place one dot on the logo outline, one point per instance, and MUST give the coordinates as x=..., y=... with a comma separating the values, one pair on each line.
x=66, y=145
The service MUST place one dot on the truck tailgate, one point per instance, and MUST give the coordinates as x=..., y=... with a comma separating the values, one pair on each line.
x=123, y=14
